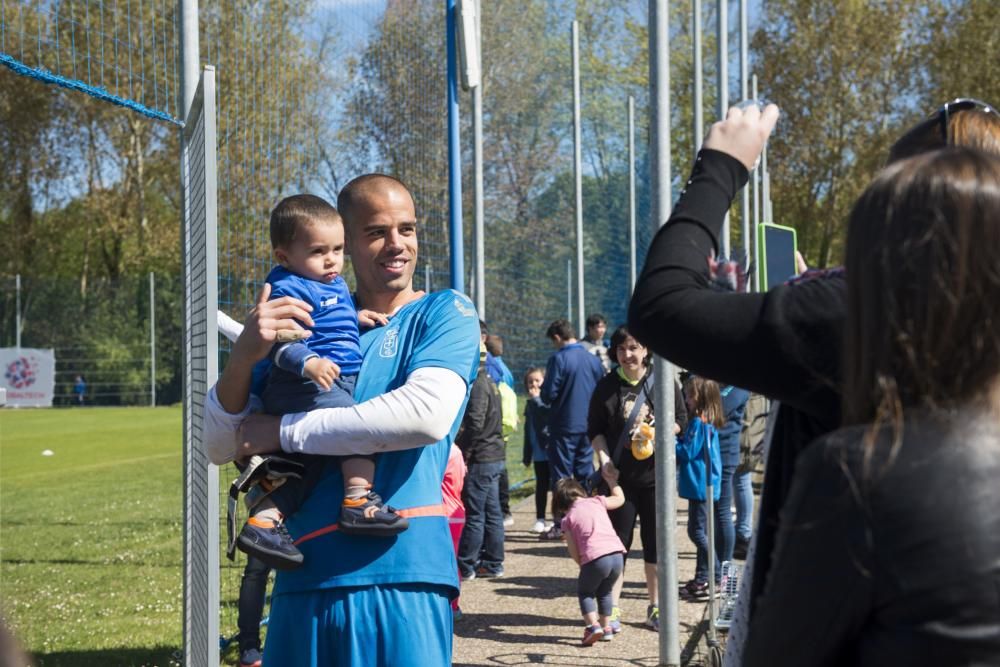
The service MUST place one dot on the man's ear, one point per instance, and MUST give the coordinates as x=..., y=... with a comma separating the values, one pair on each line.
x=281, y=257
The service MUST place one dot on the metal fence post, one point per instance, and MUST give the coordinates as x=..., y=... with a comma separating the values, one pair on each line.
x=578, y=179
x=152, y=340
x=17, y=312
x=631, y=192
x=666, y=482
x=477, y=141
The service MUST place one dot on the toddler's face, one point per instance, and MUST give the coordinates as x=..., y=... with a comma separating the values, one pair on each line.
x=317, y=253
x=533, y=383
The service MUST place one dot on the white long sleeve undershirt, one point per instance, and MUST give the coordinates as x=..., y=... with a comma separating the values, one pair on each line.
x=420, y=412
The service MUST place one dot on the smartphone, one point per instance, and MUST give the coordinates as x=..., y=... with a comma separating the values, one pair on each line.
x=775, y=254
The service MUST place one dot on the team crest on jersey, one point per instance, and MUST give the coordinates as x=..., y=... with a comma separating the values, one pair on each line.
x=464, y=307
x=390, y=343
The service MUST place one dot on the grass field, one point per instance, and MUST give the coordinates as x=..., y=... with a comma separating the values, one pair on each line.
x=90, y=537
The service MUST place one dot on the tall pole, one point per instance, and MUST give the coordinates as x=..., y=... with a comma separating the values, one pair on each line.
x=756, y=209
x=631, y=192
x=666, y=481
x=744, y=78
x=17, y=311
x=723, y=84
x=455, y=235
x=578, y=179
x=190, y=54
x=699, y=123
x=477, y=141
x=152, y=340
x=569, y=290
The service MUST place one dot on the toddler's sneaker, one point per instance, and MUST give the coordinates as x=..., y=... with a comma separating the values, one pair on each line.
x=615, y=620
x=269, y=542
x=250, y=657
x=653, y=617
x=592, y=635
x=368, y=516
x=456, y=614
x=609, y=634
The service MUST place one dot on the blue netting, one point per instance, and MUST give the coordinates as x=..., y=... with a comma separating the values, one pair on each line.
x=120, y=51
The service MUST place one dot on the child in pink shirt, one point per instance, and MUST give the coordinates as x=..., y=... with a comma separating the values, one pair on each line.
x=595, y=546
x=451, y=498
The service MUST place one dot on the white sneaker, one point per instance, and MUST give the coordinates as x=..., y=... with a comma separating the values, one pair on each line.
x=508, y=520
x=539, y=527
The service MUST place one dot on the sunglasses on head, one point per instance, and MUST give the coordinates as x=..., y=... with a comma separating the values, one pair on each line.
x=959, y=104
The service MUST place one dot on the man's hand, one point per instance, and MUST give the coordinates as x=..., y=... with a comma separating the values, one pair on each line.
x=743, y=133
x=259, y=434
x=369, y=318
x=609, y=472
x=321, y=371
x=260, y=330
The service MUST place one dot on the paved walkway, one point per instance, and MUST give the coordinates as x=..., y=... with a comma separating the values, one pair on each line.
x=531, y=615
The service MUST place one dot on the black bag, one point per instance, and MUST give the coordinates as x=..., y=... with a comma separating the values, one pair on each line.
x=595, y=484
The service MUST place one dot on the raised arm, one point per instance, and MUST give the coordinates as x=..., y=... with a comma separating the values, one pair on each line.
x=759, y=340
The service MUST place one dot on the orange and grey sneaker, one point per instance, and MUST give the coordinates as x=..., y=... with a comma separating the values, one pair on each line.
x=368, y=516
x=269, y=542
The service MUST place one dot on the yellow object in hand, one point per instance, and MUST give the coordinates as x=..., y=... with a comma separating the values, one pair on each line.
x=642, y=442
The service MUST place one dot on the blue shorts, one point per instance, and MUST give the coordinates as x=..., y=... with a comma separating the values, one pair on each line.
x=393, y=625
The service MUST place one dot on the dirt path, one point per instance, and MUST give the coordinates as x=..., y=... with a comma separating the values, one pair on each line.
x=531, y=616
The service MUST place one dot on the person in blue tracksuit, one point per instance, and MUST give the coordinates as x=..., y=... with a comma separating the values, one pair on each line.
x=570, y=377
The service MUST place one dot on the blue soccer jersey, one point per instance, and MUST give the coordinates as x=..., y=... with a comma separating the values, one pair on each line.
x=335, y=321
x=440, y=330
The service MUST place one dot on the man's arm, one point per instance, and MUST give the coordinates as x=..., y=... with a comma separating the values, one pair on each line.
x=553, y=381
x=228, y=401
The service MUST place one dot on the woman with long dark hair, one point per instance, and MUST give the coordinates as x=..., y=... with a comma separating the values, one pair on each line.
x=888, y=550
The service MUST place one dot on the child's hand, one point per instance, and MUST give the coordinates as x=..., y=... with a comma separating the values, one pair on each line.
x=534, y=391
x=609, y=472
x=322, y=371
x=369, y=318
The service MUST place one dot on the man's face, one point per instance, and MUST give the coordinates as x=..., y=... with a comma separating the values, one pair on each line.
x=382, y=241
x=596, y=332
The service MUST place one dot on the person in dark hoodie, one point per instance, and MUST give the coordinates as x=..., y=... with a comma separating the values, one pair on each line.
x=480, y=551
x=785, y=343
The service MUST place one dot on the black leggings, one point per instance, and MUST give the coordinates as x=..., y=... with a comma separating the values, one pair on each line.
x=639, y=502
x=542, y=482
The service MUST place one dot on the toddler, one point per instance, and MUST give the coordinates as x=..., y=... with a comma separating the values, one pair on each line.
x=307, y=236
x=595, y=546
x=704, y=403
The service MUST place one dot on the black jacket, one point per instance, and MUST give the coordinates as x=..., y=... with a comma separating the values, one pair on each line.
x=897, y=566
x=480, y=437
x=784, y=343
x=610, y=405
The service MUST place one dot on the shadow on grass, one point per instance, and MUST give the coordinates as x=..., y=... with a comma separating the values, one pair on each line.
x=157, y=656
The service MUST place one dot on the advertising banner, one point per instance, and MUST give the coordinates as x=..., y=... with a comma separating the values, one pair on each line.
x=28, y=375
